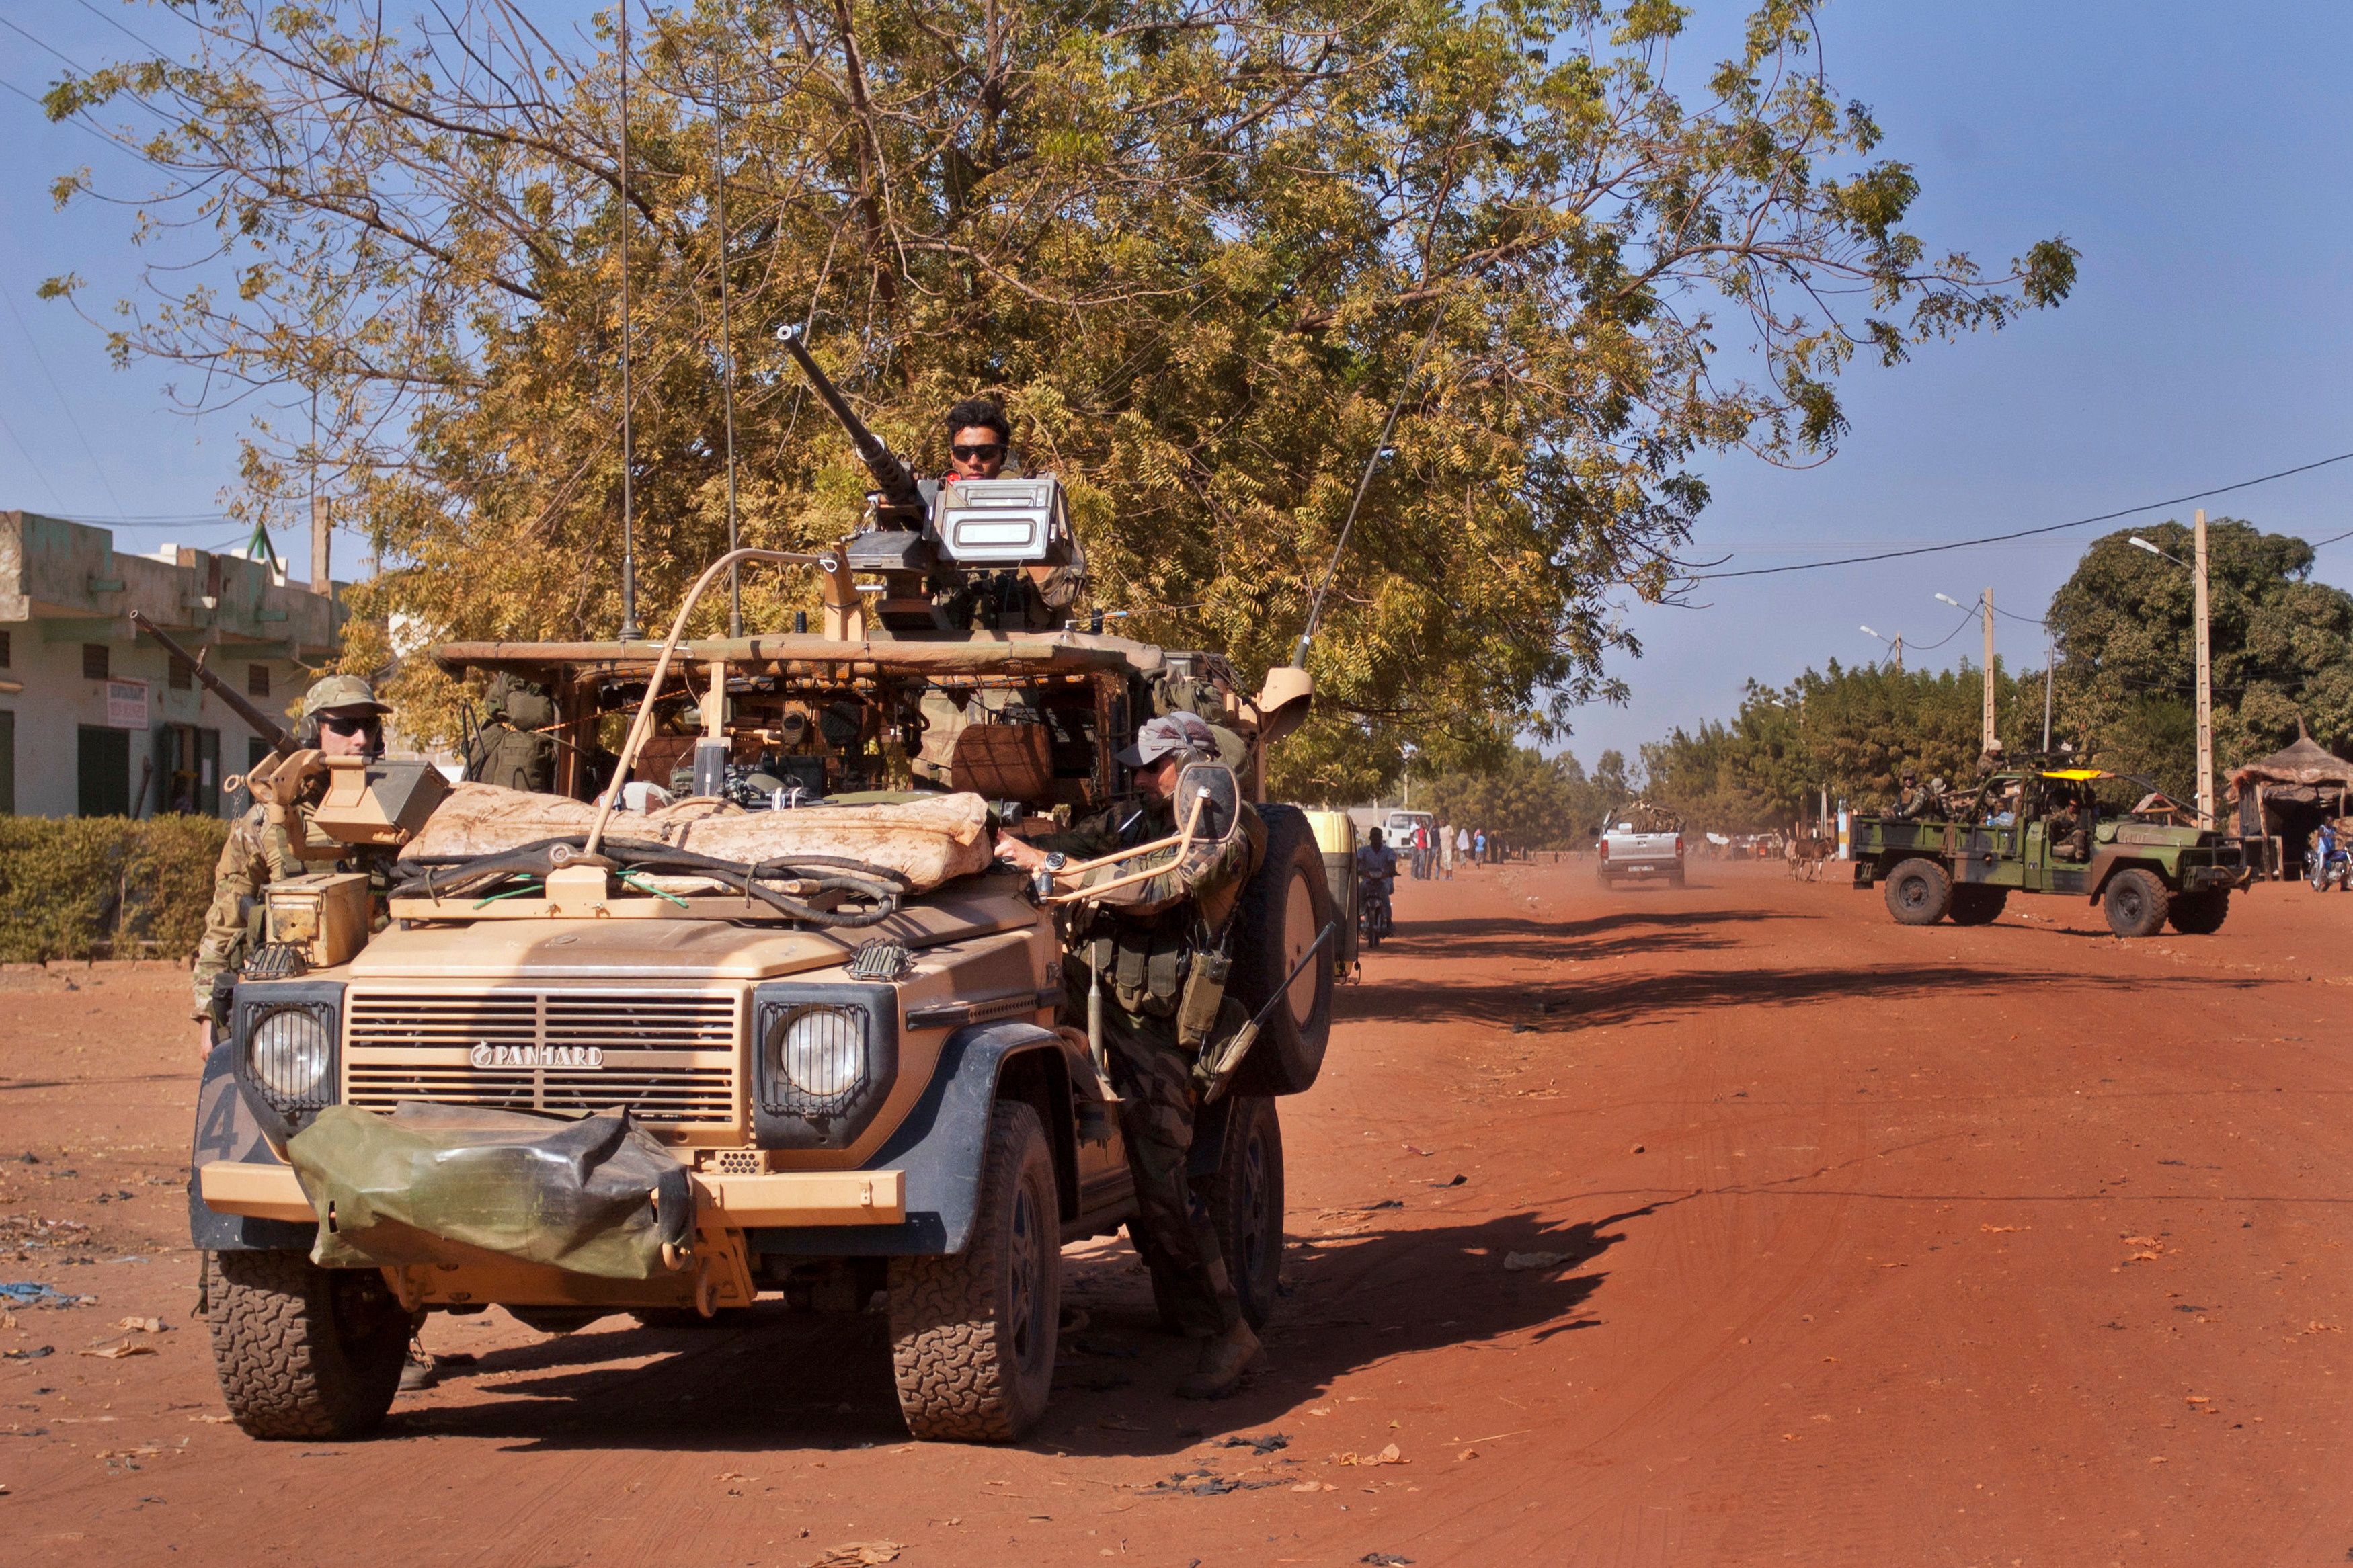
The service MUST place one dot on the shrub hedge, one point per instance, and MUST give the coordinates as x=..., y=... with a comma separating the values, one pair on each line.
x=105, y=887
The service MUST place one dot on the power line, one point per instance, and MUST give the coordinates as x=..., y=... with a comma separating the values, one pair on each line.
x=64, y=408
x=2027, y=532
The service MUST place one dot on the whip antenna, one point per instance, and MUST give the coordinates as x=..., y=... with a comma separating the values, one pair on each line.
x=629, y=628
x=1315, y=608
x=727, y=348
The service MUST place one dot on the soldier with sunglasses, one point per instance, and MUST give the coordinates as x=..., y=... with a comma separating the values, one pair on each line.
x=979, y=439
x=342, y=718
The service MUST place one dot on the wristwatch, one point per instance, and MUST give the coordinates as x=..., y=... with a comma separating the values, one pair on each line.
x=1056, y=860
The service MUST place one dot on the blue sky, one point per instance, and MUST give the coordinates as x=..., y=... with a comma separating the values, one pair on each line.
x=2196, y=154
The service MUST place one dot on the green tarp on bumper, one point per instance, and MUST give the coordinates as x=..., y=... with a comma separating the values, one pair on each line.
x=436, y=1183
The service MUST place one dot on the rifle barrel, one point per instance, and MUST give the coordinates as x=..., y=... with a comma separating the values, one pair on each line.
x=268, y=728
x=891, y=474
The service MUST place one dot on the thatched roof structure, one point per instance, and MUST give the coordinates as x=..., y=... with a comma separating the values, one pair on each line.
x=2298, y=771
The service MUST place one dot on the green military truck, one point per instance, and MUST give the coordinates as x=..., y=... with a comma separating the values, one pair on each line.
x=2047, y=831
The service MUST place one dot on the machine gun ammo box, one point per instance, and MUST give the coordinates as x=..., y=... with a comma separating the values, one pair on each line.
x=324, y=915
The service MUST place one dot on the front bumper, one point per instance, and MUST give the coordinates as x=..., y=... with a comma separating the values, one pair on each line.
x=734, y=1203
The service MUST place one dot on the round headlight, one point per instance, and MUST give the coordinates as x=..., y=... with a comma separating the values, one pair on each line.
x=819, y=1051
x=290, y=1053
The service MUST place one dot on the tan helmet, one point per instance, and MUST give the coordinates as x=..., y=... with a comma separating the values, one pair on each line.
x=341, y=694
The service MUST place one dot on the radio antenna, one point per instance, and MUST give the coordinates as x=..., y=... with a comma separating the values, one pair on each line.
x=630, y=632
x=727, y=383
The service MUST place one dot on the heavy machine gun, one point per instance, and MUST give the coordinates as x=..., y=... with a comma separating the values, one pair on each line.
x=899, y=499
x=997, y=552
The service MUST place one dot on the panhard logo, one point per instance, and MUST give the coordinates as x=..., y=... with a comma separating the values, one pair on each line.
x=488, y=1056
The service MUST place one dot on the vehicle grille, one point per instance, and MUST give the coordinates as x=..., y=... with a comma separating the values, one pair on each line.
x=670, y=1058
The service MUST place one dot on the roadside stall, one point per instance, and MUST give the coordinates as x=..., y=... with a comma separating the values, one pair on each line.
x=2286, y=797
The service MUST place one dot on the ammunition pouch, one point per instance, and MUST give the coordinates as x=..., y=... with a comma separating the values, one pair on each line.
x=1204, y=994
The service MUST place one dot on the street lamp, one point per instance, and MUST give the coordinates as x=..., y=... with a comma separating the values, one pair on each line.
x=1984, y=611
x=1896, y=642
x=2205, y=664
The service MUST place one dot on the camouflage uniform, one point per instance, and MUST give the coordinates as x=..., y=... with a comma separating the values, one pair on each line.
x=258, y=853
x=1143, y=941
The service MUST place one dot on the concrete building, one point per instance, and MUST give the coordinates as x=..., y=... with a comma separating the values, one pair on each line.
x=99, y=720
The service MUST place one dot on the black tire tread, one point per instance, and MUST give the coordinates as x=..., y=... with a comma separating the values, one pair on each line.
x=2152, y=889
x=948, y=1352
x=2198, y=914
x=1936, y=908
x=1975, y=904
x=1286, y=1060
x=285, y=1369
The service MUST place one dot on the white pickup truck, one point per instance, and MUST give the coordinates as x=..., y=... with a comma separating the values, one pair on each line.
x=1640, y=844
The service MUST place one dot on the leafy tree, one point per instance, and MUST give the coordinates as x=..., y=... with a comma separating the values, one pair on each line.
x=1850, y=730
x=1535, y=801
x=2281, y=649
x=1201, y=247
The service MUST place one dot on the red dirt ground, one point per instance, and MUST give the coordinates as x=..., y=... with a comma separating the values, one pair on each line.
x=1876, y=1245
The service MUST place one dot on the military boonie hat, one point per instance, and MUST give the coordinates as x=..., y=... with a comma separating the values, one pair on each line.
x=1179, y=732
x=341, y=694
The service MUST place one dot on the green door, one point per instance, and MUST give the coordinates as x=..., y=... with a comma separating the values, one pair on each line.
x=103, y=771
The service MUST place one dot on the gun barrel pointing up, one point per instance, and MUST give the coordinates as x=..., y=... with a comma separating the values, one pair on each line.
x=281, y=740
x=892, y=476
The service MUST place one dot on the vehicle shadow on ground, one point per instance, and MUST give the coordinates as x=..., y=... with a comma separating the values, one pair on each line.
x=772, y=1379
x=1655, y=998
x=1599, y=936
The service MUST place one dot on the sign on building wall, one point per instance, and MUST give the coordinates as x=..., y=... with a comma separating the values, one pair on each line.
x=126, y=705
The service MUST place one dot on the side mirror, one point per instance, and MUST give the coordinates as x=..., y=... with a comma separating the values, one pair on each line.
x=1211, y=791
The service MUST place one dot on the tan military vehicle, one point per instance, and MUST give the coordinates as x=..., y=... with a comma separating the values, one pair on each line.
x=793, y=1034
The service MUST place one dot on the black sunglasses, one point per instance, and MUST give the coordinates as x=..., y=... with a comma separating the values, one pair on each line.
x=977, y=454
x=366, y=723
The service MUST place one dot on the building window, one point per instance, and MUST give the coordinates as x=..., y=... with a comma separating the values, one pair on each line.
x=183, y=677
x=257, y=680
x=7, y=656
x=95, y=663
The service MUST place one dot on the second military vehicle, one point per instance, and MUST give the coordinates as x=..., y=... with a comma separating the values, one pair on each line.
x=2046, y=830
x=797, y=1035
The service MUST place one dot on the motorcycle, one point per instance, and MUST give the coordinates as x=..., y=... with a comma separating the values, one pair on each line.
x=2330, y=861
x=1373, y=920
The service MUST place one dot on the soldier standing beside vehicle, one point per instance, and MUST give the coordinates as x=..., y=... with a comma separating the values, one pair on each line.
x=1145, y=942
x=340, y=718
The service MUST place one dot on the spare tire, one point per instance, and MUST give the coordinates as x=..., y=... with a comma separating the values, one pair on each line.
x=1281, y=909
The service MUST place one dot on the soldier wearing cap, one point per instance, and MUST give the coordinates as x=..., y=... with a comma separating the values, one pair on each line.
x=340, y=718
x=1143, y=941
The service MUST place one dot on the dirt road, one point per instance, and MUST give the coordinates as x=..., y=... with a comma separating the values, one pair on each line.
x=1733, y=1224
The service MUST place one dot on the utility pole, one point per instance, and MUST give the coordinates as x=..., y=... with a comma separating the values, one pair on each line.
x=1985, y=605
x=2050, y=658
x=1895, y=645
x=2205, y=686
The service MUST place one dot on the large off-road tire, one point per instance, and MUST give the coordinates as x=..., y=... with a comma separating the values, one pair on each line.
x=1918, y=892
x=1975, y=905
x=1283, y=908
x=304, y=1351
x=2198, y=914
x=972, y=1333
x=1245, y=1201
x=2135, y=902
